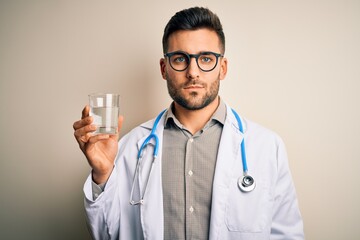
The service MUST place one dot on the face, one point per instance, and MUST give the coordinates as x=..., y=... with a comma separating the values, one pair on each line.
x=193, y=88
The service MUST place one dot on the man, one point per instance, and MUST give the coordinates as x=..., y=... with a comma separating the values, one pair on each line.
x=192, y=189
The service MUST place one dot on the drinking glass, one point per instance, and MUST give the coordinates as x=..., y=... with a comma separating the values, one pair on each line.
x=104, y=108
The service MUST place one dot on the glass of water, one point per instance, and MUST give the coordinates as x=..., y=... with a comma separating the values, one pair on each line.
x=104, y=108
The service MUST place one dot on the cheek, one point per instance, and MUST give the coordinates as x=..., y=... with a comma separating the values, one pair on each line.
x=214, y=77
x=175, y=77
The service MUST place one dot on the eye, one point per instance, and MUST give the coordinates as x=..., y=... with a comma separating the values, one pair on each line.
x=206, y=58
x=179, y=59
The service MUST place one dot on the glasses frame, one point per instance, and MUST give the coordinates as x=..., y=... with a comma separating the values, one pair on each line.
x=196, y=56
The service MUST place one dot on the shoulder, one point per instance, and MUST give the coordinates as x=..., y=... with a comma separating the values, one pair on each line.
x=253, y=130
x=144, y=129
x=267, y=141
x=138, y=132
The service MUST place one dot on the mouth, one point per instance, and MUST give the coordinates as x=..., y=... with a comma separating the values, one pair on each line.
x=193, y=86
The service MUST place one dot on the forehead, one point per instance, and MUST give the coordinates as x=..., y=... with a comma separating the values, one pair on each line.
x=194, y=41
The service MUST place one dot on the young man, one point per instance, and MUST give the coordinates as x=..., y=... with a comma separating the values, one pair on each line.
x=197, y=187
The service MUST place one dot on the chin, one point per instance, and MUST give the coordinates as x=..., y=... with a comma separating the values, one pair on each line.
x=194, y=104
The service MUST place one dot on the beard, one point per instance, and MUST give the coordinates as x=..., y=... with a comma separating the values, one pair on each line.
x=194, y=101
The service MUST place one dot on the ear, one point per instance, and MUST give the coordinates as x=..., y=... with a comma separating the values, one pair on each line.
x=163, y=67
x=223, y=68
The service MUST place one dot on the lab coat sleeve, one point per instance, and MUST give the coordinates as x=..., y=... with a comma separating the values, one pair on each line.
x=102, y=214
x=287, y=221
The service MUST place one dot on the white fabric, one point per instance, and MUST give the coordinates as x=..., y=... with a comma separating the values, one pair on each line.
x=270, y=211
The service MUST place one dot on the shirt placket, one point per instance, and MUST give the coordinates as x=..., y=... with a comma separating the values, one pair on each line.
x=189, y=184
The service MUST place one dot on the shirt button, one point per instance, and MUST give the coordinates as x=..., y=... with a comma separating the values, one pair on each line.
x=190, y=173
x=191, y=209
x=191, y=139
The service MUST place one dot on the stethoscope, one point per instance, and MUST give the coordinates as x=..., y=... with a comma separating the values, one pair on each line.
x=246, y=183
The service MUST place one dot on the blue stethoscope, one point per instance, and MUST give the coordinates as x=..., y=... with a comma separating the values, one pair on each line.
x=246, y=183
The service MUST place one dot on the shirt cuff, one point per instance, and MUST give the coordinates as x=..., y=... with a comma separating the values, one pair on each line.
x=97, y=189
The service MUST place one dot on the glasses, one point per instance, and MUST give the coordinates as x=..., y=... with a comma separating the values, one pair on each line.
x=206, y=61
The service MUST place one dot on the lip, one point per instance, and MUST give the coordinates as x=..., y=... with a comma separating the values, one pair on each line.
x=193, y=87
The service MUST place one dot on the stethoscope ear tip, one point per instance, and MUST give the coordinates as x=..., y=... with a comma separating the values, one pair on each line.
x=246, y=183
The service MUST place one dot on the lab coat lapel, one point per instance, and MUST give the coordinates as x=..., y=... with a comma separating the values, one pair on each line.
x=229, y=152
x=151, y=212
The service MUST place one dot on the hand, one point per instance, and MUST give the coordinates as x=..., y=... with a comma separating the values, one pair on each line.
x=100, y=150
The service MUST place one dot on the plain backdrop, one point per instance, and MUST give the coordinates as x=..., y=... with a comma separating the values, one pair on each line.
x=294, y=67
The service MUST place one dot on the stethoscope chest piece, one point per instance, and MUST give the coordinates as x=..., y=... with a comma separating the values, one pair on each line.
x=246, y=183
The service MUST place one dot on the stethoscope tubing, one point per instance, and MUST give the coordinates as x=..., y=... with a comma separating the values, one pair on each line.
x=152, y=135
x=139, y=159
x=242, y=145
x=246, y=182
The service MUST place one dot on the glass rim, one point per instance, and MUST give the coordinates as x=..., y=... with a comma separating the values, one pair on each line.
x=103, y=94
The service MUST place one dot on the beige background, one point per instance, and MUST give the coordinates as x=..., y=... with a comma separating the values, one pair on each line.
x=294, y=67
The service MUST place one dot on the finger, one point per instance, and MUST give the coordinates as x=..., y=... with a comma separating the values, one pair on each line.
x=99, y=137
x=85, y=138
x=120, y=122
x=116, y=136
x=85, y=112
x=83, y=122
x=80, y=132
x=83, y=141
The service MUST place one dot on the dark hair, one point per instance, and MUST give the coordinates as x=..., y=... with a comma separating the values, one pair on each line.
x=193, y=19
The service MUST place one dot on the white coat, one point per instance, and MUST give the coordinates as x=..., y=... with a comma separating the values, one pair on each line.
x=270, y=211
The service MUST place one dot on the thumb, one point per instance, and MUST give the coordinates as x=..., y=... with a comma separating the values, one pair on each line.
x=120, y=123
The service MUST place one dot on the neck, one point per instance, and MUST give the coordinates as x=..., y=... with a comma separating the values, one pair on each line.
x=195, y=120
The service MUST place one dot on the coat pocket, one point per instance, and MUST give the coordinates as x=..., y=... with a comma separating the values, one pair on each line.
x=248, y=211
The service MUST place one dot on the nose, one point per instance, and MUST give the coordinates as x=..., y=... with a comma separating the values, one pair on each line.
x=193, y=69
